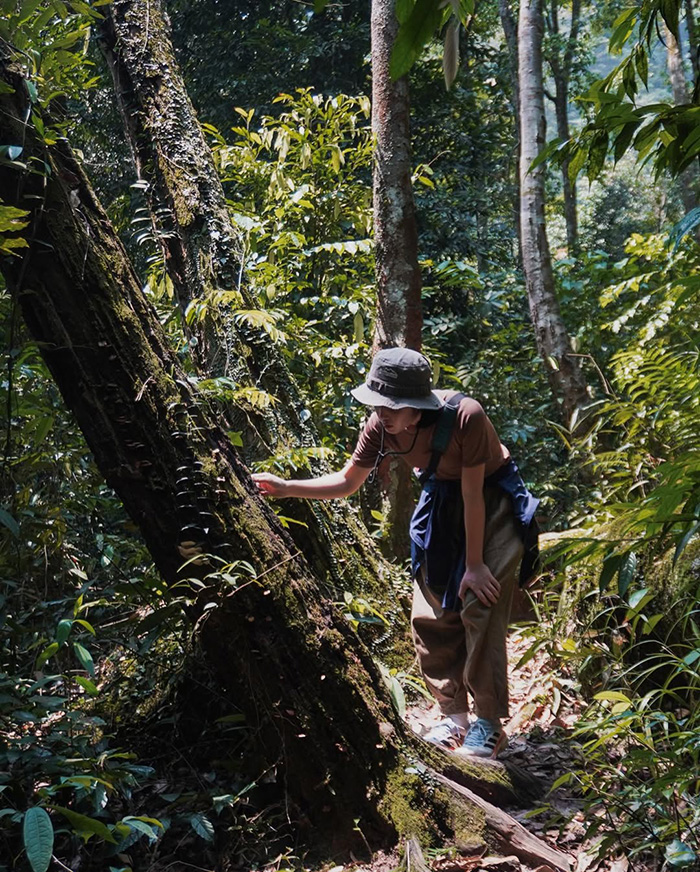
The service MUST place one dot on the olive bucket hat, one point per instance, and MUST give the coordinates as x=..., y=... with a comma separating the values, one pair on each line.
x=398, y=377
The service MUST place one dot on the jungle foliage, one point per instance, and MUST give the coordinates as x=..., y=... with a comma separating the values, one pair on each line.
x=116, y=749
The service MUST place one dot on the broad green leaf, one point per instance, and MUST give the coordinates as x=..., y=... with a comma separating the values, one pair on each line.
x=679, y=854
x=48, y=652
x=203, y=827
x=63, y=630
x=637, y=596
x=8, y=521
x=612, y=696
x=85, y=826
x=627, y=572
x=37, y=833
x=87, y=685
x=413, y=34
x=611, y=564
x=85, y=658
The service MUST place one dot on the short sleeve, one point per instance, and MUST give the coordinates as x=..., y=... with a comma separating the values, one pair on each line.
x=475, y=433
x=368, y=444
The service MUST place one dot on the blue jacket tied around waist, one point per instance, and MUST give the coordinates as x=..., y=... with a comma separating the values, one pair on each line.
x=438, y=538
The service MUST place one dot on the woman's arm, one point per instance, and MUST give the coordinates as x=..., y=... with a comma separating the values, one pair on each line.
x=477, y=577
x=325, y=487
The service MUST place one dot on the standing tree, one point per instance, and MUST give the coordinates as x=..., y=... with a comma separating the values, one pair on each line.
x=510, y=31
x=560, y=57
x=688, y=179
x=553, y=342
x=399, y=312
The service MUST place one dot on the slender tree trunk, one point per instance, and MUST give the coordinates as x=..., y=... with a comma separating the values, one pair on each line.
x=399, y=313
x=553, y=343
x=693, y=44
x=688, y=179
x=561, y=64
x=510, y=30
x=399, y=310
x=310, y=691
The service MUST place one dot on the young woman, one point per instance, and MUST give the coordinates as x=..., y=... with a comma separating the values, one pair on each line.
x=467, y=535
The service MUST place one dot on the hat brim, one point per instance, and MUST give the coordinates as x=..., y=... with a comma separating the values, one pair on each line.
x=369, y=397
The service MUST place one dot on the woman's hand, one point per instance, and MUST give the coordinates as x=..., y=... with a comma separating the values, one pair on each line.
x=270, y=485
x=482, y=583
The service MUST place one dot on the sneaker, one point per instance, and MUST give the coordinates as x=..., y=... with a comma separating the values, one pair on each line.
x=484, y=739
x=447, y=734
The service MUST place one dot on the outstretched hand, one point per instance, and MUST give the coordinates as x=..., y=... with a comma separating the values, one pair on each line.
x=482, y=583
x=270, y=485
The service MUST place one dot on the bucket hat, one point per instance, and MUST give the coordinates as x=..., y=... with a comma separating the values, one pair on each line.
x=398, y=377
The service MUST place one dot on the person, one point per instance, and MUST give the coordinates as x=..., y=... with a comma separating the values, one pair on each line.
x=467, y=535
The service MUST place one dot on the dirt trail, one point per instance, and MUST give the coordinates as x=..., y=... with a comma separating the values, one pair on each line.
x=545, y=707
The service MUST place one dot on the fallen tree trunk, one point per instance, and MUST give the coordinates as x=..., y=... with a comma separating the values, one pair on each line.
x=516, y=838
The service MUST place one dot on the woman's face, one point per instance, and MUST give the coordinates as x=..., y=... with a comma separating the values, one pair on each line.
x=397, y=420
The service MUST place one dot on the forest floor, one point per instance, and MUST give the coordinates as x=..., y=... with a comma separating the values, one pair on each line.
x=545, y=707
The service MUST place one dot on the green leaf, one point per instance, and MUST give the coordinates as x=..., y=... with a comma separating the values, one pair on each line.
x=87, y=685
x=597, y=152
x=413, y=34
x=63, y=630
x=679, y=854
x=637, y=597
x=611, y=564
x=203, y=827
x=627, y=572
x=48, y=652
x=86, y=826
x=612, y=696
x=85, y=658
x=37, y=833
x=8, y=521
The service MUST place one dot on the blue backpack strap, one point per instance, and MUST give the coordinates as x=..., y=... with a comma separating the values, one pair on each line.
x=441, y=436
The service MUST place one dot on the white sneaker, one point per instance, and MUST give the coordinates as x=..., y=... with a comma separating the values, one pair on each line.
x=484, y=739
x=446, y=734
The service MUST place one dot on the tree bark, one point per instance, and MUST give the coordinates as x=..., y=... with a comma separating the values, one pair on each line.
x=203, y=254
x=566, y=380
x=399, y=310
x=693, y=44
x=399, y=313
x=510, y=31
x=679, y=89
x=561, y=65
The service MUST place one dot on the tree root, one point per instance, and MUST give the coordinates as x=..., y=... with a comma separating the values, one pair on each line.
x=518, y=840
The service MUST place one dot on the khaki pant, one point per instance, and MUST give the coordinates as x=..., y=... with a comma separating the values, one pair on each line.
x=460, y=651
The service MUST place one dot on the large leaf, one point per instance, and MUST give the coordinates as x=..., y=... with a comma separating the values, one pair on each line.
x=86, y=826
x=413, y=34
x=37, y=833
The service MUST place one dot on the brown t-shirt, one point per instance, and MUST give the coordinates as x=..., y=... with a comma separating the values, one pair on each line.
x=474, y=441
